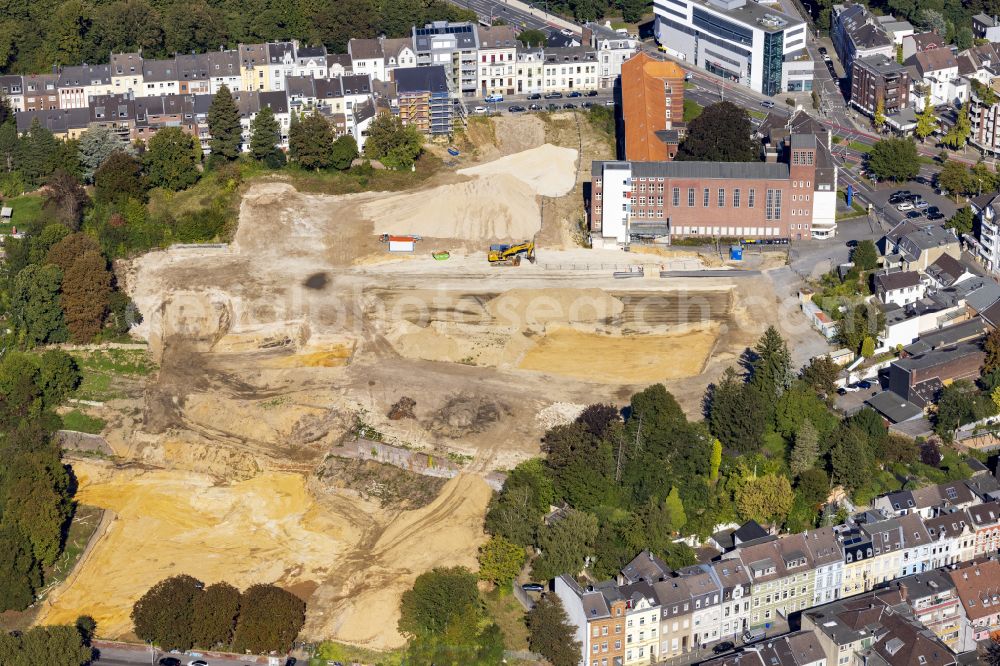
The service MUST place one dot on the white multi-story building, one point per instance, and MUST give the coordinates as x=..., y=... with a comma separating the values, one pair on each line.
x=569, y=68
x=497, y=60
x=78, y=85
x=126, y=73
x=828, y=561
x=952, y=538
x=456, y=47
x=530, y=71
x=751, y=44
x=12, y=90
x=367, y=58
x=642, y=623
x=734, y=581
x=613, y=48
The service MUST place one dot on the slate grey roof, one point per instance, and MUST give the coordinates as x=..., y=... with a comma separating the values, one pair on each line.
x=570, y=54
x=277, y=101
x=859, y=27
x=252, y=55
x=159, y=105
x=342, y=59
x=420, y=79
x=309, y=52
x=223, y=63
x=893, y=407
x=278, y=51
x=84, y=75
x=55, y=120
x=356, y=84
x=897, y=280
x=193, y=67
x=465, y=34
x=706, y=170
x=803, y=141
x=124, y=64
x=159, y=70
x=645, y=566
x=949, y=335
x=985, y=293
x=946, y=270
x=936, y=357
x=365, y=49
x=880, y=64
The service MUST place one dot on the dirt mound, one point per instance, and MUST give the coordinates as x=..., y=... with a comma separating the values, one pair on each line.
x=502, y=207
x=402, y=409
x=548, y=169
x=519, y=308
x=515, y=134
x=464, y=414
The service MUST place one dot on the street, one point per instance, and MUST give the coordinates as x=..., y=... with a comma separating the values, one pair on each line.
x=532, y=18
x=115, y=656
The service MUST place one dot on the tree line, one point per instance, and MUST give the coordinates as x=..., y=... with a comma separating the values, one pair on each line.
x=180, y=613
x=35, y=36
x=56, y=645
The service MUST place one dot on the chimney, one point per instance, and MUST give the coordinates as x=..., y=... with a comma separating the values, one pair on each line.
x=902, y=591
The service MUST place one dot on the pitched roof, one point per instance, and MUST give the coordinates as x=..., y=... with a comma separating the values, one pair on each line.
x=893, y=407
x=978, y=586
x=497, y=36
x=420, y=79
x=703, y=170
x=365, y=49
x=897, y=280
x=934, y=60
x=946, y=270
x=84, y=75
x=392, y=48
x=923, y=41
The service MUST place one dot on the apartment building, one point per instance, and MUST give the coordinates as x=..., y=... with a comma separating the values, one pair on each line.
x=41, y=92
x=856, y=34
x=253, y=66
x=613, y=49
x=653, y=103
x=12, y=90
x=497, y=60
x=985, y=521
x=311, y=61
x=706, y=603
x=734, y=582
x=676, y=617
x=368, y=58
x=828, y=561
x=279, y=66
x=939, y=79
x=398, y=53
x=879, y=80
x=985, y=120
x=115, y=112
x=599, y=615
x=223, y=70
x=455, y=47
x=635, y=200
x=783, y=579
x=569, y=68
x=126, y=73
x=154, y=113
x=744, y=42
x=977, y=585
x=78, y=84
x=159, y=77
x=916, y=557
x=424, y=98
x=936, y=605
x=530, y=71
x=642, y=623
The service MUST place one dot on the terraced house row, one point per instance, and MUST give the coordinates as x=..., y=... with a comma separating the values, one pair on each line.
x=750, y=582
x=424, y=79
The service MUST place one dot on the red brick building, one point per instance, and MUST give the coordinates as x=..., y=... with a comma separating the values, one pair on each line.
x=653, y=104
x=879, y=79
x=760, y=200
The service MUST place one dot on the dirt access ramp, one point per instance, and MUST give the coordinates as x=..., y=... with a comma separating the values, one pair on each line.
x=358, y=558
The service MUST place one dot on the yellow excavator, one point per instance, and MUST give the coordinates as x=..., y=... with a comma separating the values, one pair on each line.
x=510, y=255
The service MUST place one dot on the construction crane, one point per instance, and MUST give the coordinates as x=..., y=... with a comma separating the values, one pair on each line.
x=510, y=255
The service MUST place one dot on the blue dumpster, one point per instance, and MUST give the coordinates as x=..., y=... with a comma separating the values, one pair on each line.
x=736, y=253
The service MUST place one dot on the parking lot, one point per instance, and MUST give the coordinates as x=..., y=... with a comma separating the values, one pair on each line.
x=854, y=401
x=880, y=199
x=581, y=99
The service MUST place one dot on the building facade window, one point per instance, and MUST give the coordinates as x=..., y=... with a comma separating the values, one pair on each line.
x=736, y=198
x=704, y=197
x=750, y=197
x=690, y=197
x=722, y=197
x=676, y=197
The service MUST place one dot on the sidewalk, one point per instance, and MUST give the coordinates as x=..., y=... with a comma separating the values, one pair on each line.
x=551, y=18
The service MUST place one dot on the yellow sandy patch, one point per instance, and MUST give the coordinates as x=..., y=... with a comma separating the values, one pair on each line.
x=333, y=357
x=614, y=359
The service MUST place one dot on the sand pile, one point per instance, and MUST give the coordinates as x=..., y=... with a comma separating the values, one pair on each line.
x=501, y=207
x=456, y=343
x=549, y=170
x=519, y=308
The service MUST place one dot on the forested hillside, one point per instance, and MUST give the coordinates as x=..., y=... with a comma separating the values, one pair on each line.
x=36, y=35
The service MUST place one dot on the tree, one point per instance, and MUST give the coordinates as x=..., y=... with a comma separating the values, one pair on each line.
x=65, y=199
x=632, y=10
x=926, y=120
x=170, y=160
x=960, y=131
x=119, y=177
x=962, y=221
x=956, y=406
x=894, y=158
x=518, y=508
x=532, y=37
x=393, y=144
x=865, y=255
x=163, y=615
x=954, y=177
x=770, y=369
x=880, y=114
x=344, y=152
x=66, y=251
x=766, y=498
x=716, y=460
x=500, y=561
x=868, y=347
x=38, y=154
x=35, y=307
x=270, y=618
x=20, y=574
x=806, y=449
x=862, y=321
x=930, y=453
x=722, y=133
x=565, y=544
x=87, y=626
x=265, y=134
x=550, y=634
x=310, y=142
x=58, y=376
x=435, y=598
x=813, y=486
x=224, y=125
x=981, y=178
x=821, y=374
x=86, y=293
x=851, y=459
x=933, y=20
x=734, y=413
x=96, y=145
x=214, y=614
x=57, y=645
x=899, y=449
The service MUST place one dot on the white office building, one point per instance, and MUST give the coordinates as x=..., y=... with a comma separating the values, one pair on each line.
x=745, y=42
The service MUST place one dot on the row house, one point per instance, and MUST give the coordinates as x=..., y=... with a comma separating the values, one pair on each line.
x=126, y=73
x=569, y=68
x=597, y=613
x=952, y=538
x=985, y=521
x=828, y=562
x=63, y=123
x=338, y=64
x=857, y=34
x=41, y=92
x=734, y=584
x=115, y=112
x=379, y=57
x=154, y=113
x=159, y=77
x=978, y=587
x=801, y=648
x=896, y=548
x=280, y=64
x=12, y=90
x=783, y=580
x=928, y=501
x=497, y=60
x=77, y=85
x=706, y=602
x=642, y=623
x=858, y=559
x=612, y=48
x=530, y=71
x=253, y=65
x=980, y=63
x=311, y=61
x=936, y=605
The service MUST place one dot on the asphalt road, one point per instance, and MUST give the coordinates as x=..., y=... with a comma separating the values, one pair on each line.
x=511, y=15
x=119, y=657
x=602, y=98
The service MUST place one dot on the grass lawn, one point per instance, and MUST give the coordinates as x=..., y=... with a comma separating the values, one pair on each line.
x=360, y=179
x=692, y=110
x=102, y=371
x=26, y=207
x=508, y=613
x=77, y=420
x=333, y=651
x=754, y=113
x=860, y=147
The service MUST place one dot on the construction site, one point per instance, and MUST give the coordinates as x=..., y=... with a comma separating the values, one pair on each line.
x=239, y=458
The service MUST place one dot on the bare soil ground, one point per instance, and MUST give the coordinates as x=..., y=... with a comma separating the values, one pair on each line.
x=274, y=349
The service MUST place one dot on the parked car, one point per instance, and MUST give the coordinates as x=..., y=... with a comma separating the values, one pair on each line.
x=493, y=99
x=479, y=109
x=865, y=384
x=852, y=388
x=569, y=105
x=915, y=215
x=587, y=105
x=905, y=206
x=912, y=198
x=534, y=107
x=515, y=108
x=575, y=93
x=724, y=646
x=553, y=95
x=609, y=102
x=921, y=204
x=841, y=391
x=767, y=104
x=169, y=661
x=591, y=93
x=533, y=587
x=567, y=32
x=535, y=96
x=198, y=662
x=822, y=50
